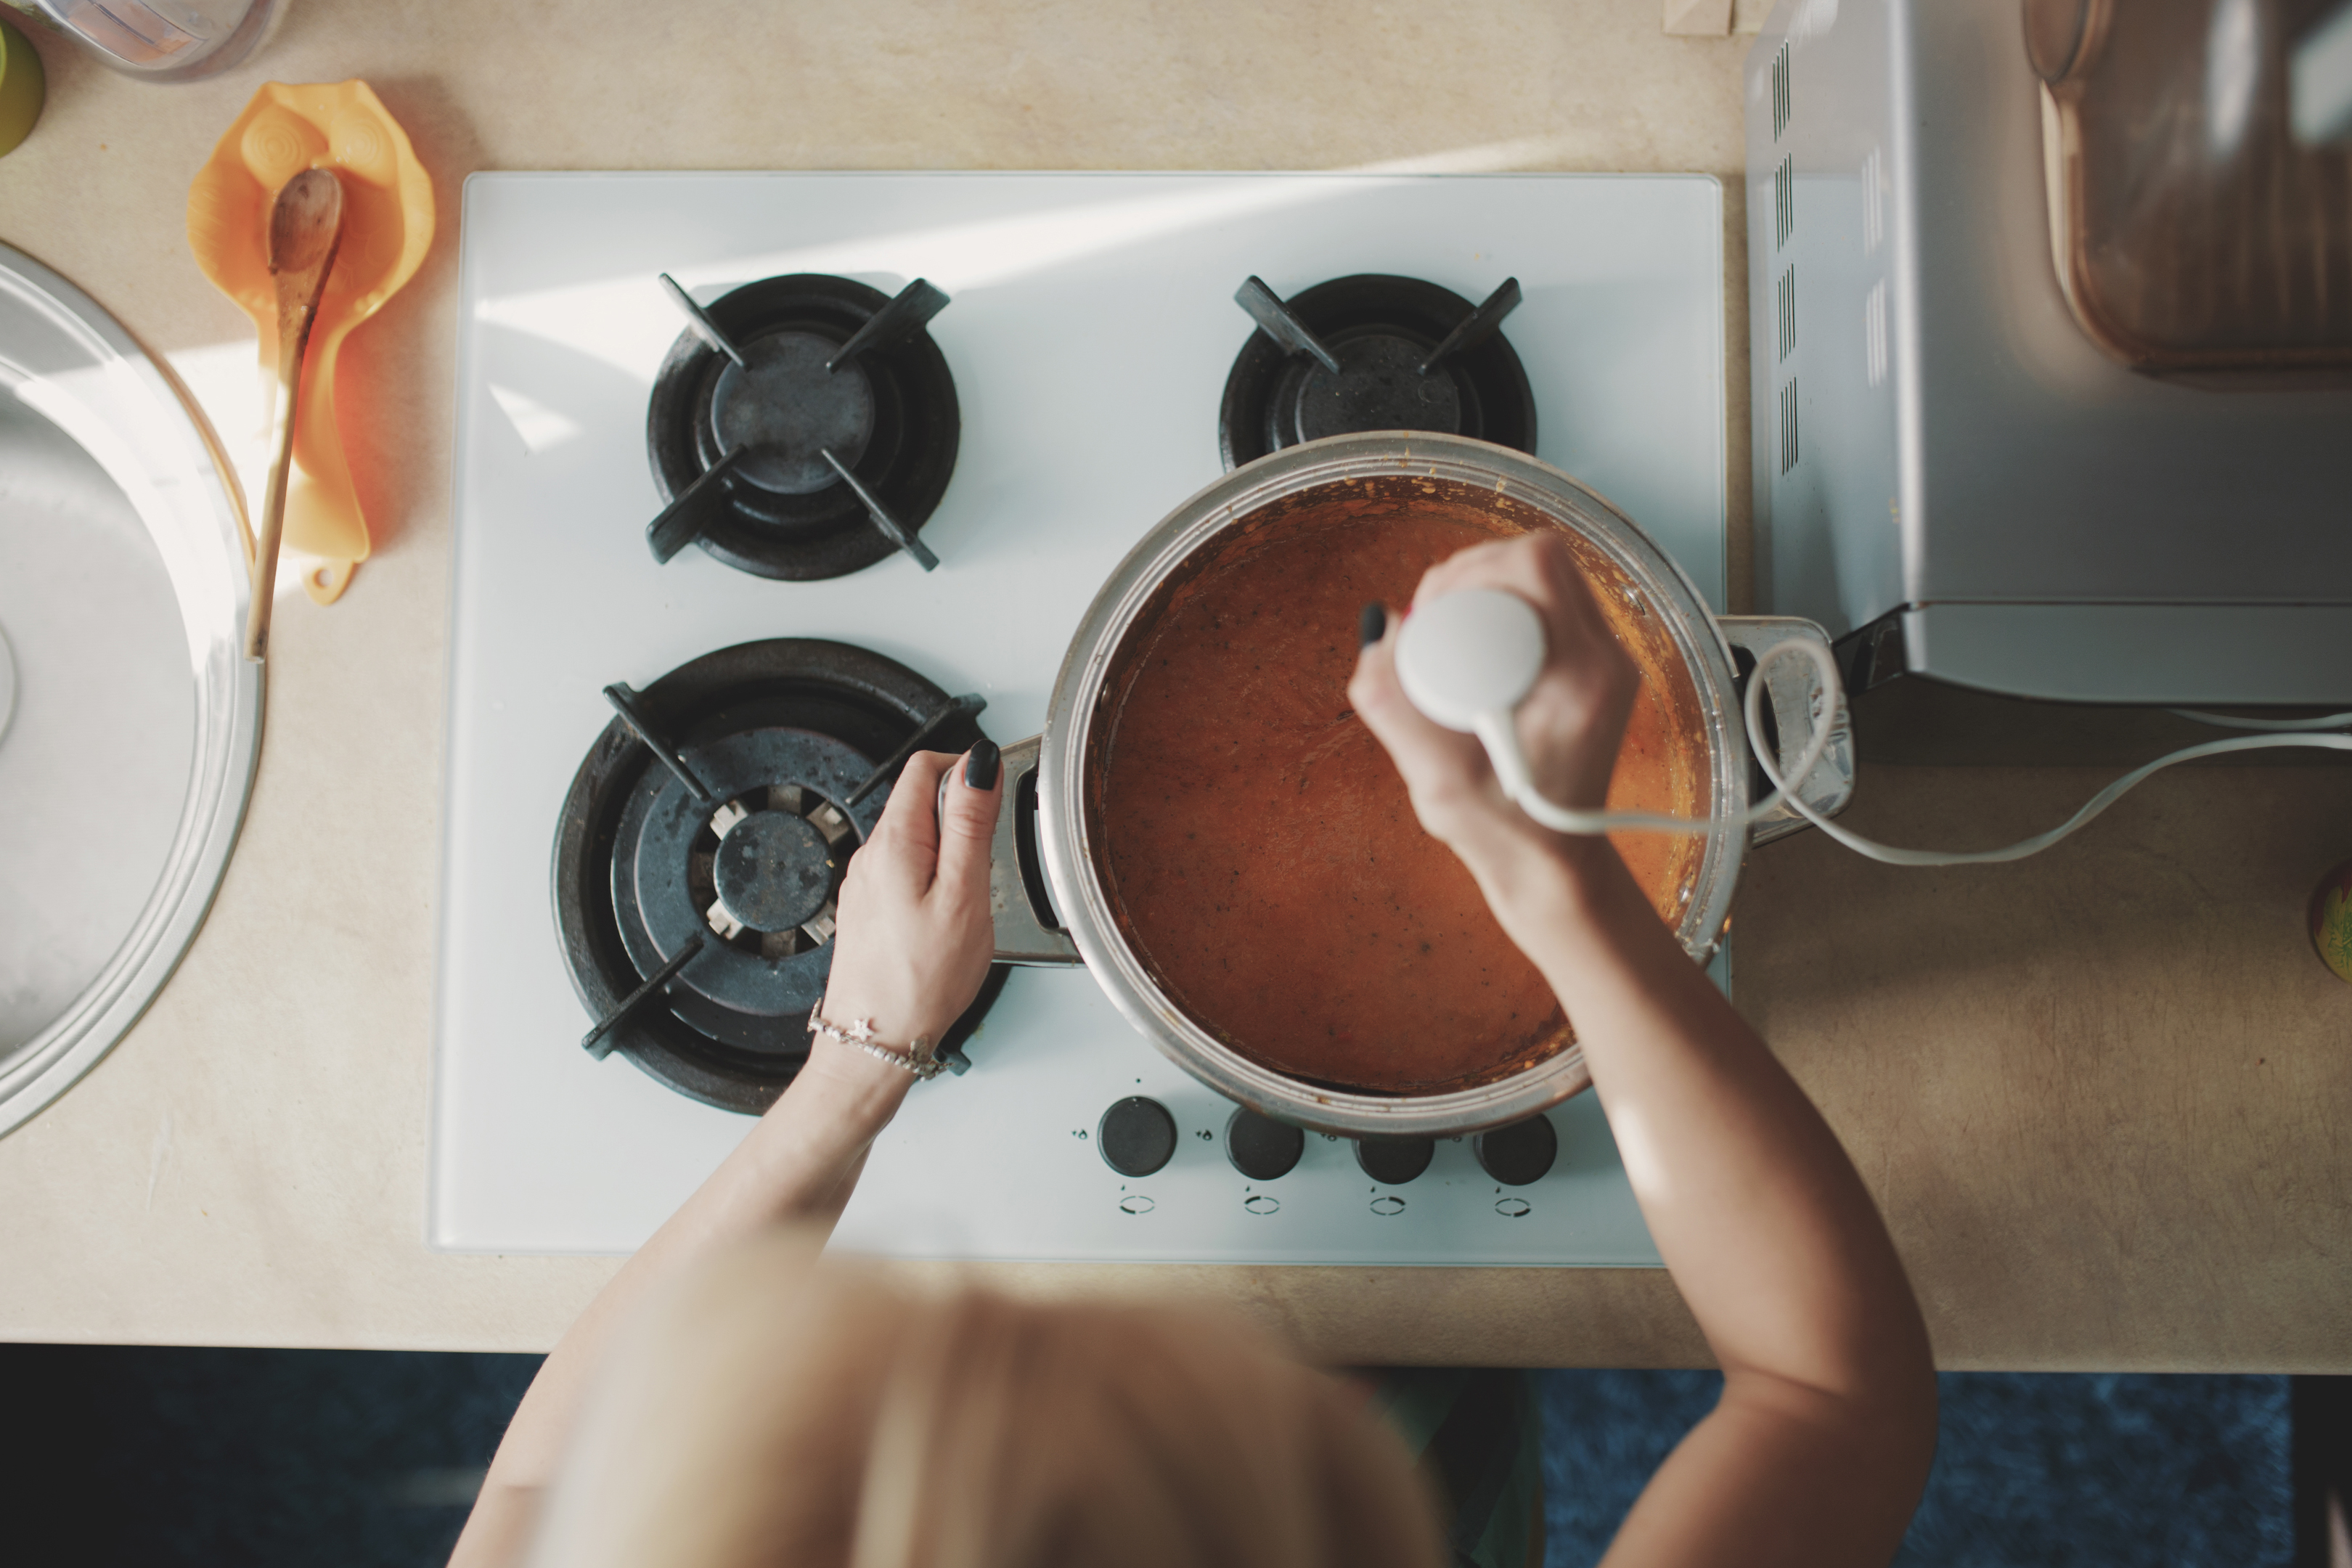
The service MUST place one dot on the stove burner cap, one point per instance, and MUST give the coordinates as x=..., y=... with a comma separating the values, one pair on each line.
x=1380, y=387
x=788, y=409
x=774, y=871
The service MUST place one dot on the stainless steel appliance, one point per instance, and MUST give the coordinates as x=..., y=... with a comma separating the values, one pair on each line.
x=1964, y=466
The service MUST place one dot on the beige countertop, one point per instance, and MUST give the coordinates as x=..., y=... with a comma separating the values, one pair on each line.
x=2096, y=1093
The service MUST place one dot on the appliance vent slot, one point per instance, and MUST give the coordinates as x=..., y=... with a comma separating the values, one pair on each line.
x=1780, y=91
x=1788, y=449
x=1874, y=205
x=1874, y=332
x=1787, y=312
x=1784, y=201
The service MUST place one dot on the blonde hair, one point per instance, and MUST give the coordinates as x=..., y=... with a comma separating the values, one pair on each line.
x=777, y=1410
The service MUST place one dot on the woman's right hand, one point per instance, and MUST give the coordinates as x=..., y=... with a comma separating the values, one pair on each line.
x=1817, y=1451
x=1571, y=722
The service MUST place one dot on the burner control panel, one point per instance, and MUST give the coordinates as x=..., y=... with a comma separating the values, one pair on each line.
x=1115, y=1151
x=1137, y=1137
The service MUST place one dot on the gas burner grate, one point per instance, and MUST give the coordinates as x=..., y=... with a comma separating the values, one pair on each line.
x=1373, y=352
x=702, y=846
x=802, y=427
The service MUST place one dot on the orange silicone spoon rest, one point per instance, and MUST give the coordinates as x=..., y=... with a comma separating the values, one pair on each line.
x=387, y=225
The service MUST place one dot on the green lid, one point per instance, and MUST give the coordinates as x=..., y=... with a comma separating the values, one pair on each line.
x=22, y=86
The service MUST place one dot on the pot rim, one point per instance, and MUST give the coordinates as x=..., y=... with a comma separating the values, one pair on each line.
x=1076, y=885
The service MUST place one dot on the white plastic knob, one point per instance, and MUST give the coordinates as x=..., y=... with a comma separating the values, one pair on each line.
x=1470, y=654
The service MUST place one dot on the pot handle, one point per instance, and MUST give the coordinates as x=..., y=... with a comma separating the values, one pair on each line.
x=1027, y=931
x=1792, y=690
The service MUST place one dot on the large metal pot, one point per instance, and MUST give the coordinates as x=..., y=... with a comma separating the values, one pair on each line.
x=1051, y=903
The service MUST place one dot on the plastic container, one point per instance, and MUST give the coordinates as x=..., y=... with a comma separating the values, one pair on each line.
x=2193, y=229
x=164, y=40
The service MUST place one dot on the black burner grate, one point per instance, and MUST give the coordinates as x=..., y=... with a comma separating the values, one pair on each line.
x=702, y=844
x=802, y=427
x=1374, y=352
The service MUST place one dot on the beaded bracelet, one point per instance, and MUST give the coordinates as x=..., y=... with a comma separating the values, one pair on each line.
x=915, y=1058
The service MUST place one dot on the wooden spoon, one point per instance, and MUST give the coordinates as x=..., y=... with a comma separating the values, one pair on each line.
x=305, y=226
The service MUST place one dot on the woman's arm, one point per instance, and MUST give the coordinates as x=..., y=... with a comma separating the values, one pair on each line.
x=1820, y=1443
x=913, y=943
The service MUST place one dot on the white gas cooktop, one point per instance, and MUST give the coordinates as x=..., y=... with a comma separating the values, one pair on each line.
x=1091, y=329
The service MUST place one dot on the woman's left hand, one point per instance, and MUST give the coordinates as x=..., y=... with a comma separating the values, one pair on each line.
x=914, y=937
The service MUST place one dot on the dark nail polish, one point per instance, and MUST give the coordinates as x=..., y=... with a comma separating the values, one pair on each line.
x=1372, y=625
x=980, y=764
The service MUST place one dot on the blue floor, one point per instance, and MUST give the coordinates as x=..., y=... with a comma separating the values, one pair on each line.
x=160, y=1457
x=2031, y=1471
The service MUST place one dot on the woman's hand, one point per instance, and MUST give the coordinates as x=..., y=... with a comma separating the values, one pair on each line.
x=1570, y=723
x=914, y=937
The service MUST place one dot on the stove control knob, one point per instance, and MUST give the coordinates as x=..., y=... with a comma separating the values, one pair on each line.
x=1137, y=1136
x=1394, y=1162
x=1520, y=1154
x=1262, y=1148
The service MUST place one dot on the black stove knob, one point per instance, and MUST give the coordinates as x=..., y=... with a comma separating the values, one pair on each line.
x=1262, y=1148
x=1394, y=1162
x=1137, y=1136
x=1520, y=1154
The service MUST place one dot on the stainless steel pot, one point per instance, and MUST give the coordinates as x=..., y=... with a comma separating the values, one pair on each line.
x=1051, y=904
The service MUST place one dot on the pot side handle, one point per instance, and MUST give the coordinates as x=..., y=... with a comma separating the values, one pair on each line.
x=1027, y=931
x=1792, y=691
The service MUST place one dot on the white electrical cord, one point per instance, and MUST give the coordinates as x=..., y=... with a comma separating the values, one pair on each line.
x=2276, y=726
x=1468, y=659
x=1892, y=856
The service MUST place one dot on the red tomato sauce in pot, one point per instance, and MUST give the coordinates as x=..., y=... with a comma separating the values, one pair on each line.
x=1258, y=846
